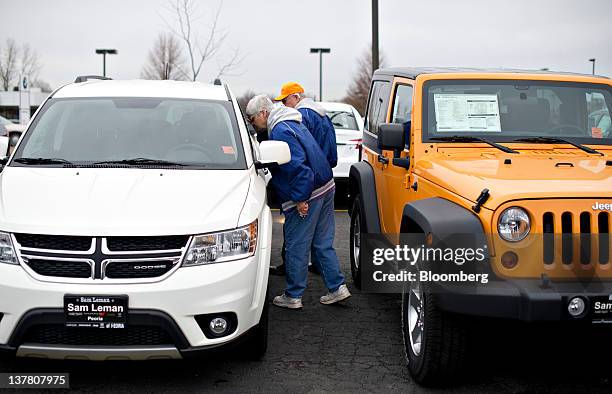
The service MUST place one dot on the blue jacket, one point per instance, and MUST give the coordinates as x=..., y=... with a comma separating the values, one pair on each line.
x=321, y=128
x=308, y=175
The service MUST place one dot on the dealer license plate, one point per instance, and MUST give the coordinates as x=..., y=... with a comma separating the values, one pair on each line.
x=601, y=309
x=96, y=311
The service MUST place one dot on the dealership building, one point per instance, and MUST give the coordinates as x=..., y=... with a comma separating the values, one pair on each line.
x=20, y=105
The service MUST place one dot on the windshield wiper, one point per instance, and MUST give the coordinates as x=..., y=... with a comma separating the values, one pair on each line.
x=41, y=160
x=464, y=138
x=552, y=140
x=140, y=161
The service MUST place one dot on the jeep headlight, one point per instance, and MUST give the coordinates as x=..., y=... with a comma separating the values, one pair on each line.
x=7, y=251
x=222, y=246
x=514, y=224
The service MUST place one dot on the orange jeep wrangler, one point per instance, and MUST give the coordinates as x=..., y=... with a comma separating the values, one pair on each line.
x=521, y=159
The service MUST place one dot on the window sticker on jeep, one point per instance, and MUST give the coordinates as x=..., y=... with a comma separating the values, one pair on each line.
x=467, y=112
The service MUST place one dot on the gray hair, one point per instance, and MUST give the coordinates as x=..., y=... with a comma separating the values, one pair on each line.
x=259, y=103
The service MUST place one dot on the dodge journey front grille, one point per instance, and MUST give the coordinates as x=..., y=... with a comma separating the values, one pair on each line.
x=100, y=258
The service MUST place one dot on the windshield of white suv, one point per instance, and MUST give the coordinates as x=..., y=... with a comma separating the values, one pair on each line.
x=343, y=120
x=133, y=132
x=509, y=110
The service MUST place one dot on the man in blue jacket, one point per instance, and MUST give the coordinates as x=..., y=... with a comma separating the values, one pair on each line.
x=314, y=117
x=305, y=188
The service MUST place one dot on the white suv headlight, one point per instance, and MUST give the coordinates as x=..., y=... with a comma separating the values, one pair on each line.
x=7, y=251
x=222, y=246
x=514, y=224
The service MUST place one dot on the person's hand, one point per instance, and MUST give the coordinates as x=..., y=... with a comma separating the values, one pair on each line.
x=302, y=208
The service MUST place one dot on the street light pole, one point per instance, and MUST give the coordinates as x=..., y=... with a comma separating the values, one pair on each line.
x=320, y=51
x=375, y=57
x=105, y=52
x=593, y=61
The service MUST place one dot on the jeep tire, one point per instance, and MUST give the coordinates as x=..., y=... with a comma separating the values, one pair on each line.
x=435, y=357
x=356, y=228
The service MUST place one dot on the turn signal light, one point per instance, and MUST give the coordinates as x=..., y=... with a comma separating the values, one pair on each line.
x=509, y=260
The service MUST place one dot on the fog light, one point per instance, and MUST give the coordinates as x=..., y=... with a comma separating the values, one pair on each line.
x=576, y=307
x=218, y=325
x=509, y=260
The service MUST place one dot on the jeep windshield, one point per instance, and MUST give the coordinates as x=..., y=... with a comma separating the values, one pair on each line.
x=514, y=110
x=133, y=132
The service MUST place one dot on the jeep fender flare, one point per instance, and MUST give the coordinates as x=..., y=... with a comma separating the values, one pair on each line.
x=439, y=216
x=362, y=183
x=449, y=224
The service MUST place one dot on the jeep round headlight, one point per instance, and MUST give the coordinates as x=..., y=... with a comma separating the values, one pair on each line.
x=222, y=246
x=514, y=224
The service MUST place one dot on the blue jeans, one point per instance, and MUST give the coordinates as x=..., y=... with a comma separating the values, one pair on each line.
x=314, y=232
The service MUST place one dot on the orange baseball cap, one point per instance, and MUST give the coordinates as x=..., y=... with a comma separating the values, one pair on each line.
x=288, y=89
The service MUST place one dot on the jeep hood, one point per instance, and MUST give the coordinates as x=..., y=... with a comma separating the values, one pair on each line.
x=530, y=175
x=120, y=201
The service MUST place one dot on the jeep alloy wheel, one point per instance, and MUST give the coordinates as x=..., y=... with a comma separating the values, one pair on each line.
x=355, y=241
x=415, y=317
x=434, y=341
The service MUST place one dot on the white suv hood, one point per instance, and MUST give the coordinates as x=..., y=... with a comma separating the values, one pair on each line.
x=119, y=201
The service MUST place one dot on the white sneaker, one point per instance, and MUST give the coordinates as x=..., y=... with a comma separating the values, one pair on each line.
x=341, y=294
x=287, y=302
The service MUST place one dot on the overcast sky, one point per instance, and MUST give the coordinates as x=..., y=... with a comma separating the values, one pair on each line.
x=275, y=36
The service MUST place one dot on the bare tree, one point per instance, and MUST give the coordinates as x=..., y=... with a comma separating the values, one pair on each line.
x=165, y=60
x=200, y=48
x=244, y=99
x=357, y=93
x=30, y=65
x=8, y=63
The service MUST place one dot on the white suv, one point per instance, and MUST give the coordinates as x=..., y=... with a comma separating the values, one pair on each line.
x=134, y=224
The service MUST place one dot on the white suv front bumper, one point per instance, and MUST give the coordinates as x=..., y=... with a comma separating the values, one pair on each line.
x=232, y=287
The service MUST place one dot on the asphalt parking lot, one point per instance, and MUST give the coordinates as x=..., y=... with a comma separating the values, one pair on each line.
x=354, y=347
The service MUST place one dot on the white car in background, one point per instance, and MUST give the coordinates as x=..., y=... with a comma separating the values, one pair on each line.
x=9, y=130
x=349, y=131
x=10, y=126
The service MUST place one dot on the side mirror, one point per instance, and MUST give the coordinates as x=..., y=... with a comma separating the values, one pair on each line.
x=273, y=153
x=391, y=136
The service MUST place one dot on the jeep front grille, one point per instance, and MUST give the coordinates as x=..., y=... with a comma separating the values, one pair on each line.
x=568, y=239
x=77, y=258
x=581, y=228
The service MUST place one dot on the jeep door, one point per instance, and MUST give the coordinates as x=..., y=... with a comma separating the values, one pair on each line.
x=396, y=181
x=376, y=114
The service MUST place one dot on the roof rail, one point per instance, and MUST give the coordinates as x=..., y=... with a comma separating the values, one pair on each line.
x=219, y=82
x=84, y=78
